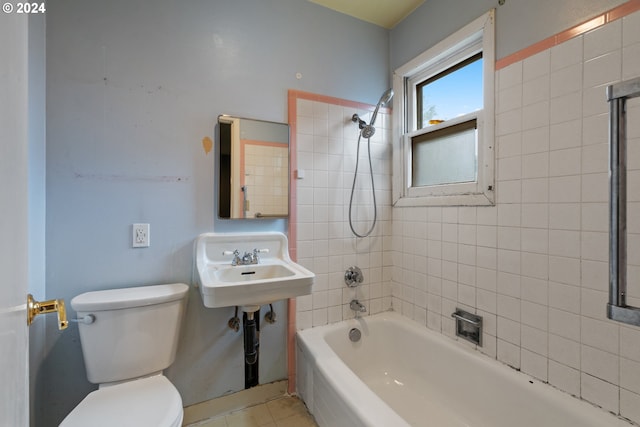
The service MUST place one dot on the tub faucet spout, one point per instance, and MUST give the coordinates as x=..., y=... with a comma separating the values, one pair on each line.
x=357, y=306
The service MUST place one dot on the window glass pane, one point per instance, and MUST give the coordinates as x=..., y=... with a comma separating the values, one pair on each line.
x=445, y=156
x=452, y=93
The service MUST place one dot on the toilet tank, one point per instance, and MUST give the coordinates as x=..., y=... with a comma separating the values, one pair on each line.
x=135, y=331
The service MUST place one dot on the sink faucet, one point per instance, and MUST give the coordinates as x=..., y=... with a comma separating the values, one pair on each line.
x=357, y=306
x=249, y=258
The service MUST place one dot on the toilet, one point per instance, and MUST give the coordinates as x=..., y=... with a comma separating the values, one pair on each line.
x=128, y=337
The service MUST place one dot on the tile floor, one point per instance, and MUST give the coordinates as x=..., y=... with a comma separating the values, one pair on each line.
x=288, y=411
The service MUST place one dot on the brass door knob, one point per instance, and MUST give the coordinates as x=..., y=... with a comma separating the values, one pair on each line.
x=35, y=308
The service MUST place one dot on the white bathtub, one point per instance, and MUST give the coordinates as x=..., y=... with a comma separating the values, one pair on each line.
x=401, y=374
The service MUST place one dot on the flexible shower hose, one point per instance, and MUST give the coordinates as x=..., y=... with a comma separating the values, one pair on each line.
x=353, y=187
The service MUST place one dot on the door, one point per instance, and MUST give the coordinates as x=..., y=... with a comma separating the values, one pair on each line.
x=14, y=342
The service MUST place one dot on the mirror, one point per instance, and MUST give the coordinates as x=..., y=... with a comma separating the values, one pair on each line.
x=253, y=178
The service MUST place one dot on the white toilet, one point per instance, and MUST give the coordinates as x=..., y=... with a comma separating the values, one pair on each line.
x=129, y=336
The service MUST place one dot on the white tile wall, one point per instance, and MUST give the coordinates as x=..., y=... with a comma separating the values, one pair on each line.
x=535, y=266
x=267, y=179
x=326, y=151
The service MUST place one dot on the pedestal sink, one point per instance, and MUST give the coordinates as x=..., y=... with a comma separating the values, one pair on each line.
x=274, y=277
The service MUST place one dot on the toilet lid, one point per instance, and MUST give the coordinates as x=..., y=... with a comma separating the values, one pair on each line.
x=147, y=402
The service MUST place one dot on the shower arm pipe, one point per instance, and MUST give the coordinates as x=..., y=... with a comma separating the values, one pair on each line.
x=617, y=308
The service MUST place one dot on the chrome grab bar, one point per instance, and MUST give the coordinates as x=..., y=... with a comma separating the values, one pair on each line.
x=617, y=308
x=464, y=319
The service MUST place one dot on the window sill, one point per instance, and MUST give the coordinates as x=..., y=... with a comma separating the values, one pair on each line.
x=476, y=199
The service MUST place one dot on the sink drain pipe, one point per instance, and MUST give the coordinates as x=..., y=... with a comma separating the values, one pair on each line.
x=251, y=326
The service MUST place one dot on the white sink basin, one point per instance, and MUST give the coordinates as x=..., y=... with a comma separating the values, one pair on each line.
x=275, y=277
x=252, y=272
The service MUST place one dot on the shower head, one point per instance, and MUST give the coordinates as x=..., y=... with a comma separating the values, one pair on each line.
x=367, y=130
x=385, y=98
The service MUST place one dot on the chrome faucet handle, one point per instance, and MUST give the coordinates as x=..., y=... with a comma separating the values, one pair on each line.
x=256, y=254
x=353, y=277
x=236, y=256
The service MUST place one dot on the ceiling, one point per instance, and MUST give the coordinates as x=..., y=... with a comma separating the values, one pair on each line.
x=385, y=13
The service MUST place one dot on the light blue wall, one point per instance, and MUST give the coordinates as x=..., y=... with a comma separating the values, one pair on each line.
x=519, y=23
x=132, y=89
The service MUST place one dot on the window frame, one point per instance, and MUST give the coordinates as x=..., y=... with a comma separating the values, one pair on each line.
x=477, y=36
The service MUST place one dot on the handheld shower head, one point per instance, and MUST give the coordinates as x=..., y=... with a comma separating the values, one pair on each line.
x=367, y=130
x=385, y=98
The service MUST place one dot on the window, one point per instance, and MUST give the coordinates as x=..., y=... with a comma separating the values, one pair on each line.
x=443, y=122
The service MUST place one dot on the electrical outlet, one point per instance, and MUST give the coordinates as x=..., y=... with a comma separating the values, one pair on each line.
x=140, y=236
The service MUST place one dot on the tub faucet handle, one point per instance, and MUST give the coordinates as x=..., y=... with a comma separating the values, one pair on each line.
x=353, y=277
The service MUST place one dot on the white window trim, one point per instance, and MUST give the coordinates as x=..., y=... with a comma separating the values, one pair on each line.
x=483, y=191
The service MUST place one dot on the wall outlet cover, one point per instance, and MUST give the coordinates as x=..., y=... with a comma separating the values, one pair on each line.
x=140, y=236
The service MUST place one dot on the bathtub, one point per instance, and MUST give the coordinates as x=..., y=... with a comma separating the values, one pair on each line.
x=401, y=374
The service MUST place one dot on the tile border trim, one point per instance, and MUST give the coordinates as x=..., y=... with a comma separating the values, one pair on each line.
x=612, y=15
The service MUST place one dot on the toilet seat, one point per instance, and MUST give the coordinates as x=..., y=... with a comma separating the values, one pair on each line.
x=147, y=402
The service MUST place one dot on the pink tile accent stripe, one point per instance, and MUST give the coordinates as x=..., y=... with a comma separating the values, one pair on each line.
x=616, y=13
x=330, y=100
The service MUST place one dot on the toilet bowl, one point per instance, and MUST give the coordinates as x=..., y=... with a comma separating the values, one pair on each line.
x=131, y=337
x=151, y=401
